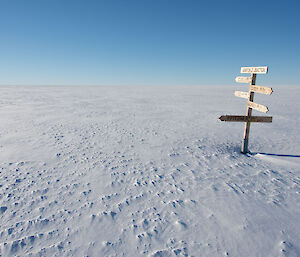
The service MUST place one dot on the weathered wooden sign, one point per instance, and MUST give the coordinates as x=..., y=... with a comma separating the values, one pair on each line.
x=258, y=107
x=239, y=118
x=241, y=94
x=260, y=89
x=255, y=70
x=248, y=118
x=243, y=79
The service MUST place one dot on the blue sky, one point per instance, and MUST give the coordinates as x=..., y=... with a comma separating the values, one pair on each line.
x=147, y=42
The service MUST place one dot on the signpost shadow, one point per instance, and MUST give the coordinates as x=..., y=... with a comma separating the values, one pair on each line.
x=279, y=155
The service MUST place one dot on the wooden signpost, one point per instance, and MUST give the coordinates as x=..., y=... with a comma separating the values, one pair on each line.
x=248, y=118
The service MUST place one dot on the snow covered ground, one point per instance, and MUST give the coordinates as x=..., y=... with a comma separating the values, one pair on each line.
x=147, y=171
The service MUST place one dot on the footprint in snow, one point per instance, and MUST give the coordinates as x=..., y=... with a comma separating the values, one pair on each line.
x=3, y=209
x=288, y=249
x=181, y=224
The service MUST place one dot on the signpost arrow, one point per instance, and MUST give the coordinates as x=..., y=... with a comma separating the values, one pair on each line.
x=242, y=94
x=255, y=70
x=260, y=89
x=258, y=107
x=239, y=118
x=243, y=79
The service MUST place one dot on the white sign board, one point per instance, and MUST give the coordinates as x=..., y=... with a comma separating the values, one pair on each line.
x=243, y=79
x=258, y=107
x=256, y=70
x=260, y=89
x=241, y=94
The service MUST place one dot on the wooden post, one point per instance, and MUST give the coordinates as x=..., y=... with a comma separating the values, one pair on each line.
x=248, y=114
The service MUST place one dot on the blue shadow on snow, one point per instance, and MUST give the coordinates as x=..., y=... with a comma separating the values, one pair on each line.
x=281, y=155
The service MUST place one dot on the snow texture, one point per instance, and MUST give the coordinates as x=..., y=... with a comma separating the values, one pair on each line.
x=147, y=171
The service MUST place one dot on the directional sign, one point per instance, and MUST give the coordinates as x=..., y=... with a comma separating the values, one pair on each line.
x=260, y=89
x=242, y=94
x=256, y=70
x=258, y=107
x=248, y=118
x=243, y=79
x=238, y=118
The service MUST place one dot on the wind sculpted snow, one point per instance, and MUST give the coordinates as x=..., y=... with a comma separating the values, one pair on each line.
x=146, y=171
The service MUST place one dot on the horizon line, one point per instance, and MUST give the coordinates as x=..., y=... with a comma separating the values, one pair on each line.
x=123, y=85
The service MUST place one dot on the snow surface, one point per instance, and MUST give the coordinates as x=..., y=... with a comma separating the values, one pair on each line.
x=147, y=171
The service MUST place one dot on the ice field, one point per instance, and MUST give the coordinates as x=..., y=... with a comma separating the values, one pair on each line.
x=147, y=171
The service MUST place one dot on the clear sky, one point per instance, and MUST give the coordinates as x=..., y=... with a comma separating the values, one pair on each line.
x=147, y=42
